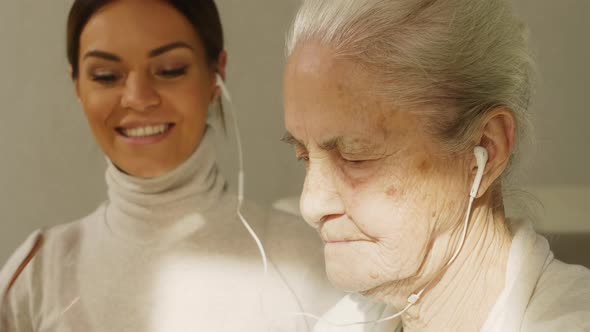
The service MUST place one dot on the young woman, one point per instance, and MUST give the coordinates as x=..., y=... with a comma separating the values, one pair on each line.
x=167, y=251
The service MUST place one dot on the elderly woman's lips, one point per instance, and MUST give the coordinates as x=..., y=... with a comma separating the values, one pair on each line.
x=341, y=231
x=342, y=241
x=337, y=239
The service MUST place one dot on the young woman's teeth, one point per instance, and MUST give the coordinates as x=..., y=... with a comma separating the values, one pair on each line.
x=145, y=131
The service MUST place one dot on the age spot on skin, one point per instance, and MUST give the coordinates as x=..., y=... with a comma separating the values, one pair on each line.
x=424, y=166
x=391, y=192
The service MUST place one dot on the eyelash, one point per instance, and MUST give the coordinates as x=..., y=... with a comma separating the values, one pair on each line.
x=302, y=157
x=354, y=162
x=173, y=73
x=105, y=79
x=108, y=79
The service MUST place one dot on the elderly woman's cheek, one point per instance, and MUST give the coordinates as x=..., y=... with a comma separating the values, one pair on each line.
x=369, y=176
x=407, y=233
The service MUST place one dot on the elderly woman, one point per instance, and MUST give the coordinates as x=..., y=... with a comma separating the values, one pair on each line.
x=407, y=115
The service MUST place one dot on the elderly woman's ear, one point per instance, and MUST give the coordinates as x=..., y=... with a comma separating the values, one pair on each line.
x=498, y=139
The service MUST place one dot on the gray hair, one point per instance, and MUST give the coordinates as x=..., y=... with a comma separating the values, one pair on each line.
x=461, y=58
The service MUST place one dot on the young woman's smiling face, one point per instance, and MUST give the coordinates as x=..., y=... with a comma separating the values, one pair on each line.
x=145, y=84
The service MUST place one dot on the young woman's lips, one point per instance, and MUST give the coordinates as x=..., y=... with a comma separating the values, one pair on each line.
x=145, y=134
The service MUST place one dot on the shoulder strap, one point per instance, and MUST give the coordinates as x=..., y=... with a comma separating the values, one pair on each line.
x=34, y=249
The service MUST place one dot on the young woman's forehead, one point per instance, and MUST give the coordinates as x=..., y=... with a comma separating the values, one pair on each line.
x=137, y=20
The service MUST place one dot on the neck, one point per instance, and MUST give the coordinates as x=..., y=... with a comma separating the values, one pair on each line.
x=461, y=296
x=148, y=210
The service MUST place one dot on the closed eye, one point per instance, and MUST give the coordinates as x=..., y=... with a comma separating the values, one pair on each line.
x=355, y=162
x=173, y=73
x=358, y=161
x=105, y=78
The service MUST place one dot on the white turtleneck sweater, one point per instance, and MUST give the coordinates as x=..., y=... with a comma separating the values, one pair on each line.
x=166, y=254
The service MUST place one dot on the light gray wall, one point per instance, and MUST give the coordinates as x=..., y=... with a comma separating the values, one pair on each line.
x=50, y=169
x=52, y=172
x=561, y=111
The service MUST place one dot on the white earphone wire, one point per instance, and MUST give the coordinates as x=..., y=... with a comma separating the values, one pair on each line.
x=241, y=184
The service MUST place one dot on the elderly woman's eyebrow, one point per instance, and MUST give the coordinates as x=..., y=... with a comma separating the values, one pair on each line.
x=339, y=143
x=350, y=145
x=290, y=139
x=332, y=144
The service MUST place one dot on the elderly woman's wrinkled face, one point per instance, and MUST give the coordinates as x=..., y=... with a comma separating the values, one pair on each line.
x=377, y=188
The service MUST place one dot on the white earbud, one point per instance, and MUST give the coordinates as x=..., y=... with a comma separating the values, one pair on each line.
x=481, y=155
x=221, y=85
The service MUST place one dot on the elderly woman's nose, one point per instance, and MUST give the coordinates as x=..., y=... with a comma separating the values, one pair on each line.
x=320, y=200
x=139, y=93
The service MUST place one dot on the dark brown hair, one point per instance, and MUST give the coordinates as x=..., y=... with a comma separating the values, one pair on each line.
x=202, y=14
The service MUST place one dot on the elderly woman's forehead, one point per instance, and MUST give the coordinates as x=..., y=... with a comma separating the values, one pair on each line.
x=311, y=56
x=327, y=96
x=313, y=60
x=348, y=133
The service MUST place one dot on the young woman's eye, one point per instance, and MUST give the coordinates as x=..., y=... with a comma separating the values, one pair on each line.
x=106, y=78
x=172, y=73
